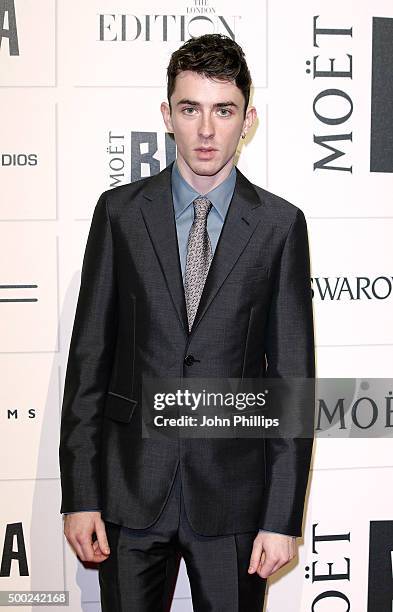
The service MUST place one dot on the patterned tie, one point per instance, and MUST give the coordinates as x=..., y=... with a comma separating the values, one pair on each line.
x=199, y=256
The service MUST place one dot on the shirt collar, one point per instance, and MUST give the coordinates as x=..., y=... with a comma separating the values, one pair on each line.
x=184, y=194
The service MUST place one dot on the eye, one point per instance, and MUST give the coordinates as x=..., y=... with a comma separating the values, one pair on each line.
x=226, y=112
x=188, y=108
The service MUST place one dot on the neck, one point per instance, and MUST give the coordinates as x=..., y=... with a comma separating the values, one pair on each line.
x=203, y=183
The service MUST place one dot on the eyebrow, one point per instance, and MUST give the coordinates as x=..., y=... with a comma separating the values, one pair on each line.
x=217, y=105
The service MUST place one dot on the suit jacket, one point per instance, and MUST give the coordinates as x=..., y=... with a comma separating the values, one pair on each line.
x=254, y=320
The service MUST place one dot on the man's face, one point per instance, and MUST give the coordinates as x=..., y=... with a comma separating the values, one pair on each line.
x=207, y=120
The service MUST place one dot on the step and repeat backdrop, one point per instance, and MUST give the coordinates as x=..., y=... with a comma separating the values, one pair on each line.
x=80, y=90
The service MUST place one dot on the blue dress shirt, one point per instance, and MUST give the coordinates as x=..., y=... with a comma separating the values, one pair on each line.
x=183, y=196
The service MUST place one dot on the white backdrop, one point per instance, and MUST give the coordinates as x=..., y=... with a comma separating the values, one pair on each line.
x=80, y=90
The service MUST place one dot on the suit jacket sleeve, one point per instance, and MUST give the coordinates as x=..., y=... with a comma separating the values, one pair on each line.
x=88, y=368
x=289, y=353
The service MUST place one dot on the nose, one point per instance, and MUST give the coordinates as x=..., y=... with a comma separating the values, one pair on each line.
x=206, y=127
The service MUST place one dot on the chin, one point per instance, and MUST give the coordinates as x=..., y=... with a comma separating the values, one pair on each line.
x=206, y=168
x=205, y=171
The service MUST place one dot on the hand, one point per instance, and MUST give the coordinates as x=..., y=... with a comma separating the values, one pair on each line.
x=79, y=528
x=271, y=551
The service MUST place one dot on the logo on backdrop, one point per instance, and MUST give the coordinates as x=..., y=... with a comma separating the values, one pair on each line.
x=337, y=137
x=132, y=155
x=9, y=296
x=332, y=551
x=336, y=288
x=380, y=575
x=8, y=29
x=382, y=96
x=335, y=126
x=200, y=17
x=14, y=549
x=17, y=414
x=18, y=159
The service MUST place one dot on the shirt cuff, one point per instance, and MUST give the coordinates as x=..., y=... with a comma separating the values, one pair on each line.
x=268, y=531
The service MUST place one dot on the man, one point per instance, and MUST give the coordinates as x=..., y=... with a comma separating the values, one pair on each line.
x=194, y=272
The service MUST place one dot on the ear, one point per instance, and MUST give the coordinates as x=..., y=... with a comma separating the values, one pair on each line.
x=249, y=119
x=166, y=115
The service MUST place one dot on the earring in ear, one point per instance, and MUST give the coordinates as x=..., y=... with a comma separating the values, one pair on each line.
x=243, y=135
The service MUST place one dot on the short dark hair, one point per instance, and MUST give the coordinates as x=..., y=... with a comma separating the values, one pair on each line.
x=215, y=56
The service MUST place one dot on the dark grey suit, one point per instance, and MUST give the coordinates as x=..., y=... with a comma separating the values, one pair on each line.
x=254, y=319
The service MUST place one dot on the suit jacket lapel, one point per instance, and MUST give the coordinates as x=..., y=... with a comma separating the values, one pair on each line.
x=158, y=213
x=239, y=225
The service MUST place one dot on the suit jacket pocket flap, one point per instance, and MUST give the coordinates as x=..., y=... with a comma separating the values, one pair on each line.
x=118, y=407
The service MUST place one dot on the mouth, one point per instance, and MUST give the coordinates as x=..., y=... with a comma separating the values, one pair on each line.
x=205, y=152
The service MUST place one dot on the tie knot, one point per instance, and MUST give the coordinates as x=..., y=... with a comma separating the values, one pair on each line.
x=202, y=207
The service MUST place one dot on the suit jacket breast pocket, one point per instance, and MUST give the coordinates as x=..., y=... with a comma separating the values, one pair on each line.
x=250, y=274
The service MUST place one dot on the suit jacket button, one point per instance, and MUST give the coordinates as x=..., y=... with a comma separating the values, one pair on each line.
x=189, y=360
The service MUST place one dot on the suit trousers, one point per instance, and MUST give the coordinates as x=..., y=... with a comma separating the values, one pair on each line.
x=141, y=571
